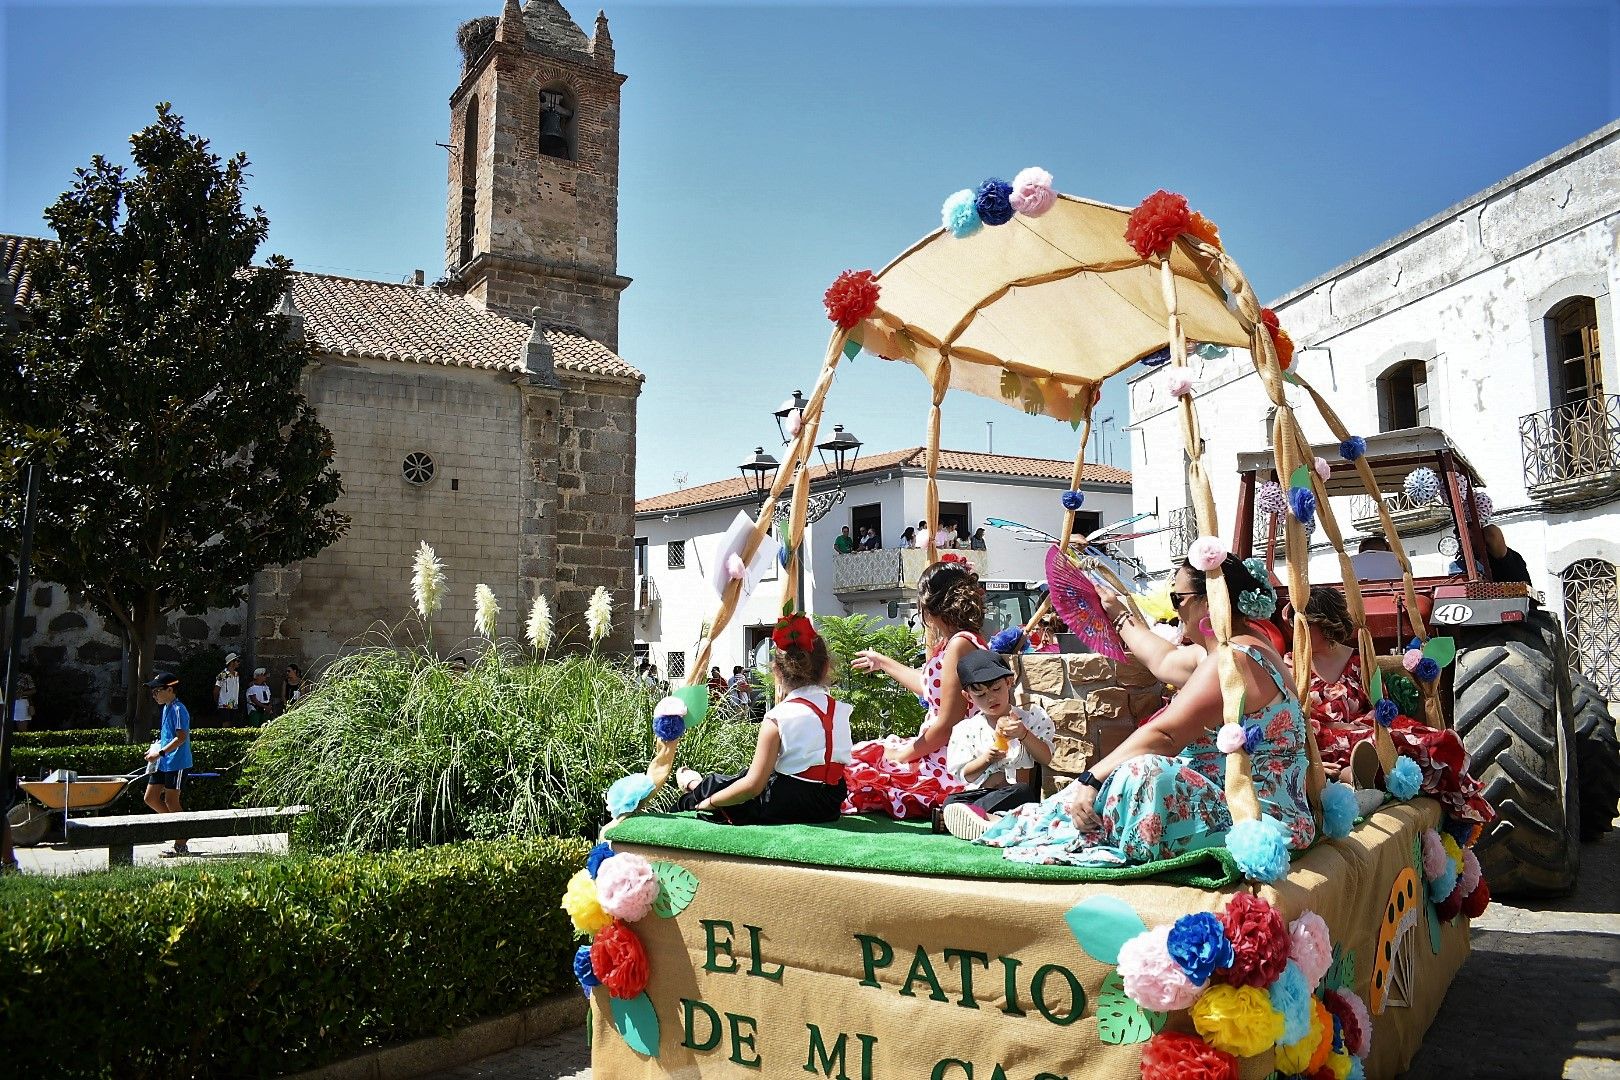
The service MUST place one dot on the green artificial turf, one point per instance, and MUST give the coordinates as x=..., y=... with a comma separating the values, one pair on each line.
x=908, y=847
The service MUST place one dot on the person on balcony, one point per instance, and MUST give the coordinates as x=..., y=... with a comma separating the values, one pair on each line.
x=908, y=539
x=845, y=543
x=977, y=543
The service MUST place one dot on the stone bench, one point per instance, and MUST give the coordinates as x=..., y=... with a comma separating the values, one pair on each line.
x=119, y=834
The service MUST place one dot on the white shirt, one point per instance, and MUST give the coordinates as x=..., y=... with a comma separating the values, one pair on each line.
x=258, y=695
x=945, y=537
x=973, y=736
x=22, y=711
x=804, y=743
x=227, y=689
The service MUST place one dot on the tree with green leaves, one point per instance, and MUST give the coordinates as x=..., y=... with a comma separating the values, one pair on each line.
x=880, y=705
x=188, y=458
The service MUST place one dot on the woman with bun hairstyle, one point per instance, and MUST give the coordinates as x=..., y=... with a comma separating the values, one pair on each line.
x=907, y=778
x=1163, y=791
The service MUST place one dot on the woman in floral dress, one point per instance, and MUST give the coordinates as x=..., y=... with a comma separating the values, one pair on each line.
x=1163, y=791
x=907, y=778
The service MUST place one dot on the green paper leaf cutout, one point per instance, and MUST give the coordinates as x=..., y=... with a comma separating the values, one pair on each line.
x=852, y=349
x=1012, y=387
x=1121, y=1021
x=1434, y=927
x=1300, y=477
x=1034, y=399
x=590, y=1024
x=1075, y=422
x=1289, y=376
x=1341, y=974
x=1101, y=924
x=637, y=1022
x=676, y=887
x=1376, y=685
x=696, y=699
x=1442, y=650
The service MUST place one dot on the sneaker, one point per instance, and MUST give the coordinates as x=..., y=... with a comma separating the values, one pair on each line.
x=966, y=821
x=176, y=852
x=1364, y=768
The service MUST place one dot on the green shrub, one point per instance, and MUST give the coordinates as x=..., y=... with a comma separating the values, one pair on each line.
x=881, y=705
x=391, y=749
x=268, y=966
x=70, y=737
x=218, y=750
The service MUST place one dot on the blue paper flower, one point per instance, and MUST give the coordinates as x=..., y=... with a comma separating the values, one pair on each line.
x=600, y=854
x=1073, y=500
x=1339, y=810
x=1386, y=711
x=1253, y=734
x=1428, y=669
x=1353, y=449
x=782, y=556
x=1458, y=829
x=1358, y=1071
x=1260, y=848
x=627, y=792
x=1292, y=999
x=669, y=728
x=993, y=202
x=960, y=215
x=583, y=971
x=1199, y=946
x=1007, y=641
x=1302, y=501
x=1404, y=779
x=1440, y=887
x=1414, y=644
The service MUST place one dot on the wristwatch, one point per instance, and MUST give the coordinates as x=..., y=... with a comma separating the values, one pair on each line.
x=1085, y=779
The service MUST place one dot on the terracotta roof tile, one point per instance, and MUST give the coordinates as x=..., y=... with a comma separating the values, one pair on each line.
x=913, y=458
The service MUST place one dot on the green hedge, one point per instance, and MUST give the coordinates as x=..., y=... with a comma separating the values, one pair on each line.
x=218, y=750
x=269, y=966
x=70, y=737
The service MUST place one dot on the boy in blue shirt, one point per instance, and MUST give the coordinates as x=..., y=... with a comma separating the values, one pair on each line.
x=171, y=752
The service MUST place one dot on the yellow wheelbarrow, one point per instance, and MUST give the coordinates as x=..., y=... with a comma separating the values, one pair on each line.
x=60, y=794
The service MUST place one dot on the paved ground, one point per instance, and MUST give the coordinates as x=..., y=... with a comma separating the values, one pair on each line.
x=56, y=859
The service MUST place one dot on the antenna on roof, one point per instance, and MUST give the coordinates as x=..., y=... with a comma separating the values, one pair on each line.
x=680, y=479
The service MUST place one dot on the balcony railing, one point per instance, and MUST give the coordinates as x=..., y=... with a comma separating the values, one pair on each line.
x=1183, y=530
x=646, y=595
x=1411, y=518
x=1572, y=452
x=892, y=569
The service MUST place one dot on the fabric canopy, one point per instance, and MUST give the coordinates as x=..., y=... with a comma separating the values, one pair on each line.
x=1036, y=310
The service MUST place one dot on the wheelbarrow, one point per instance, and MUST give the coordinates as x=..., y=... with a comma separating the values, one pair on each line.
x=59, y=795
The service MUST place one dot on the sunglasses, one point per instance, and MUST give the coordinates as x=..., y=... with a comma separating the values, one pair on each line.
x=1177, y=598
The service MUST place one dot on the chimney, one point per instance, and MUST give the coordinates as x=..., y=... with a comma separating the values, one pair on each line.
x=602, y=42
x=539, y=363
x=419, y=278
x=295, y=318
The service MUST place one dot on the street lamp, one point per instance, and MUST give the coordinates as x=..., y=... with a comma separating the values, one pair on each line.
x=844, y=448
x=760, y=472
x=797, y=403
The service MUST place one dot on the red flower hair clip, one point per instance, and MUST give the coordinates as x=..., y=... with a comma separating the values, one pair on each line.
x=794, y=631
x=953, y=557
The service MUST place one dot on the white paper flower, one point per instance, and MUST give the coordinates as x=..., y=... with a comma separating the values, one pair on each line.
x=427, y=581
x=485, y=611
x=539, y=625
x=599, y=614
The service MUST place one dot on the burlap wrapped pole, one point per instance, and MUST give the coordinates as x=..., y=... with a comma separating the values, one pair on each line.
x=941, y=382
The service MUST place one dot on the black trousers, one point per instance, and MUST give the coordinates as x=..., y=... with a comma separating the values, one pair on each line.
x=786, y=800
x=997, y=800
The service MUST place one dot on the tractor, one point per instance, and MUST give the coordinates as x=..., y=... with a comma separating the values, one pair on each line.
x=1539, y=733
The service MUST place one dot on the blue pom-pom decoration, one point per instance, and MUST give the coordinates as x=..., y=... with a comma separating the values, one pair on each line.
x=1458, y=829
x=782, y=557
x=600, y=854
x=1404, y=779
x=1422, y=485
x=961, y=214
x=1073, y=500
x=583, y=970
x=1414, y=644
x=1302, y=501
x=1353, y=449
x=1358, y=1071
x=1293, y=1000
x=627, y=792
x=1428, y=669
x=669, y=728
x=1007, y=641
x=1199, y=946
x=993, y=202
x=1252, y=736
x=1260, y=848
x=1440, y=887
x=1385, y=712
x=1339, y=810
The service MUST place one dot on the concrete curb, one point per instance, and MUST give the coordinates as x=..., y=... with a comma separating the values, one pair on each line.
x=437, y=1053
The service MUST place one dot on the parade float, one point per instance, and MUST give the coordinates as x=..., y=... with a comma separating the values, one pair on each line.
x=873, y=949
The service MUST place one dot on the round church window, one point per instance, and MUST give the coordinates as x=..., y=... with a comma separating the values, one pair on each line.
x=417, y=467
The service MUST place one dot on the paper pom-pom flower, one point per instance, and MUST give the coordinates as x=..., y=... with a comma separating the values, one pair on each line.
x=1256, y=603
x=1351, y=1013
x=736, y=569
x=1427, y=669
x=1007, y=641
x=627, y=792
x=1444, y=885
x=1155, y=224
x=1260, y=848
x=1339, y=810
x=1353, y=448
x=1323, y=470
x=1477, y=901
x=599, y=854
x=1200, y=226
x=1449, y=908
x=1435, y=859
x=1468, y=880
x=794, y=631
x=1385, y=712
x=619, y=960
x=583, y=971
x=1150, y=977
x=669, y=728
x=1310, y=946
x=626, y=887
x=960, y=214
x=1421, y=485
x=1259, y=940
x=1411, y=658
x=1295, y=1057
x=1484, y=507
x=1073, y=500
x=1404, y=779
x=579, y=900
x=670, y=706
x=992, y=202
x=1291, y=997
x=1229, y=739
x=1179, y=383
x=1206, y=553
x=1237, y=1019
x=1032, y=193
x=1269, y=499
x=851, y=297
x=1173, y=1055
x=1302, y=501
x=1198, y=945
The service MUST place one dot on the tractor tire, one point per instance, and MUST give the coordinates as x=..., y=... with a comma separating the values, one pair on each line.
x=1597, y=754
x=29, y=824
x=1522, y=745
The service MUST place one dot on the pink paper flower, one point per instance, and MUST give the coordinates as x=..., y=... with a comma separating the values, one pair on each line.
x=1179, y=383
x=1032, y=193
x=1151, y=978
x=795, y=420
x=1206, y=553
x=1411, y=658
x=1435, y=858
x=1229, y=740
x=1468, y=880
x=670, y=706
x=626, y=886
x=1310, y=946
x=736, y=569
x=1323, y=469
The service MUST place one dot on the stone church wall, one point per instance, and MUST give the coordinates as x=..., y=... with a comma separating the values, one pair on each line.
x=595, y=481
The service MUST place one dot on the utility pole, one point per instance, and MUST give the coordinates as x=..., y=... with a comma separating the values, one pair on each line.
x=990, y=437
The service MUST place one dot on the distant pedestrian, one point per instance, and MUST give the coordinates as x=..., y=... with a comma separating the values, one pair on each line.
x=649, y=678
x=977, y=543
x=741, y=694
x=228, y=691
x=844, y=543
x=293, y=686
x=717, y=686
x=873, y=543
x=258, y=697
x=22, y=709
x=945, y=537
x=171, y=754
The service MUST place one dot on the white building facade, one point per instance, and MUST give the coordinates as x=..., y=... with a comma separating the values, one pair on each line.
x=1486, y=321
x=679, y=534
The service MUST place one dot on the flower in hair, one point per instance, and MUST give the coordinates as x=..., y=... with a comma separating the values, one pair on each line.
x=960, y=560
x=1206, y=553
x=1256, y=603
x=794, y=631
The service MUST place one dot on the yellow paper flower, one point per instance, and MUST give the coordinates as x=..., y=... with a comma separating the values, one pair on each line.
x=1340, y=1064
x=1296, y=1057
x=1453, y=849
x=579, y=900
x=1238, y=1020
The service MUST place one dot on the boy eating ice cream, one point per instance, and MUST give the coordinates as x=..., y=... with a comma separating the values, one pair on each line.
x=999, y=752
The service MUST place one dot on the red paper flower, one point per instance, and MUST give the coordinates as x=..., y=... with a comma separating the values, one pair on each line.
x=851, y=297
x=1477, y=901
x=619, y=960
x=1170, y=1055
x=1200, y=226
x=1269, y=317
x=1259, y=942
x=1161, y=218
x=1350, y=1021
x=953, y=557
x=793, y=632
x=1280, y=341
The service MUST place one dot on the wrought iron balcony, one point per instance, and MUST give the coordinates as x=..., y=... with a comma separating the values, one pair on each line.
x=1183, y=530
x=891, y=569
x=1572, y=453
x=646, y=595
x=1411, y=518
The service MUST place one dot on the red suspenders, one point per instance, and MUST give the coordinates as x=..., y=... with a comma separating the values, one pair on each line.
x=829, y=771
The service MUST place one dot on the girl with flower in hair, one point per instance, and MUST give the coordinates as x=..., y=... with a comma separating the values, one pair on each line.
x=908, y=778
x=1163, y=791
x=797, y=775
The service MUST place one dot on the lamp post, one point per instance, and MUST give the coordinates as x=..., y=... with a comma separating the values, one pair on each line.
x=759, y=472
x=844, y=448
x=795, y=404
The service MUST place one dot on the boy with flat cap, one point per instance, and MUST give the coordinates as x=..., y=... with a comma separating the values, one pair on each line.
x=998, y=752
x=171, y=753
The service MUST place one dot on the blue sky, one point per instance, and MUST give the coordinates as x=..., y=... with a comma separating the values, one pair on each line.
x=766, y=147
